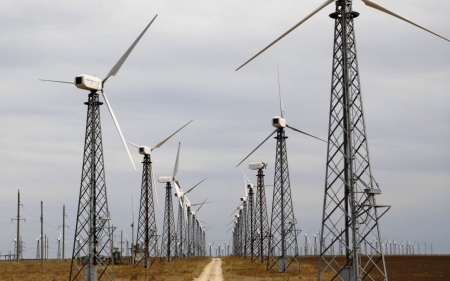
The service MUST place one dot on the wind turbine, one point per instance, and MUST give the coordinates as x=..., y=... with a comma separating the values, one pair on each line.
x=261, y=219
x=282, y=235
x=147, y=231
x=182, y=225
x=38, y=255
x=250, y=218
x=193, y=242
x=350, y=188
x=210, y=248
x=93, y=215
x=58, y=255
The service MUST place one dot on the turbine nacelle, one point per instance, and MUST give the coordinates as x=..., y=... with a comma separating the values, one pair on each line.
x=87, y=82
x=164, y=179
x=257, y=166
x=278, y=122
x=179, y=195
x=145, y=150
x=243, y=199
x=249, y=186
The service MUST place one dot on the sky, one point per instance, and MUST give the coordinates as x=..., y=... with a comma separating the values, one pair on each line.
x=184, y=69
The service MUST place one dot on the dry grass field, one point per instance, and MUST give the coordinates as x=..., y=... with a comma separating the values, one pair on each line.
x=399, y=268
x=56, y=270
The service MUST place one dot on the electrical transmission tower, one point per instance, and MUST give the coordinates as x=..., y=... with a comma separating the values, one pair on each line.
x=147, y=236
x=282, y=236
x=169, y=235
x=350, y=211
x=94, y=253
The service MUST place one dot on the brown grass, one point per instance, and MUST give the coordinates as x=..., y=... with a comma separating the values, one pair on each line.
x=236, y=268
x=399, y=268
x=56, y=270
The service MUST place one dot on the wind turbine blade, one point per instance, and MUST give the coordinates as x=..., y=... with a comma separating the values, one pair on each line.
x=154, y=187
x=132, y=208
x=244, y=175
x=279, y=92
x=118, y=65
x=135, y=145
x=192, y=205
x=175, y=169
x=161, y=143
x=117, y=126
x=201, y=205
x=382, y=9
x=304, y=133
x=256, y=148
x=194, y=186
x=177, y=189
x=245, y=186
x=56, y=81
x=287, y=32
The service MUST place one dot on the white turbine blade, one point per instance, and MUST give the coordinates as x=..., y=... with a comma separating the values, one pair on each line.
x=177, y=189
x=161, y=143
x=175, y=169
x=194, y=186
x=279, y=92
x=245, y=186
x=292, y=128
x=382, y=9
x=117, y=126
x=184, y=210
x=187, y=200
x=154, y=187
x=244, y=175
x=56, y=81
x=257, y=147
x=287, y=32
x=117, y=66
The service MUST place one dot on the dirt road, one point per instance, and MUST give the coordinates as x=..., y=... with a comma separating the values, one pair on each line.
x=212, y=272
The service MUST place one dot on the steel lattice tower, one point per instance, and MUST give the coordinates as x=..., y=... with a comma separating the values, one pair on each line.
x=181, y=229
x=350, y=211
x=251, y=233
x=93, y=255
x=189, y=232
x=147, y=235
x=169, y=236
x=240, y=235
x=261, y=220
x=282, y=226
x=244, y=229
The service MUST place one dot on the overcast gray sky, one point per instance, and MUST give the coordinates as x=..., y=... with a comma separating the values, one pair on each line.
x=183, y=69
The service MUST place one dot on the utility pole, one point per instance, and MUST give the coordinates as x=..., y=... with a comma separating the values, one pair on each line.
x=64, y=230
x=18, y=244
x=42, y=235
